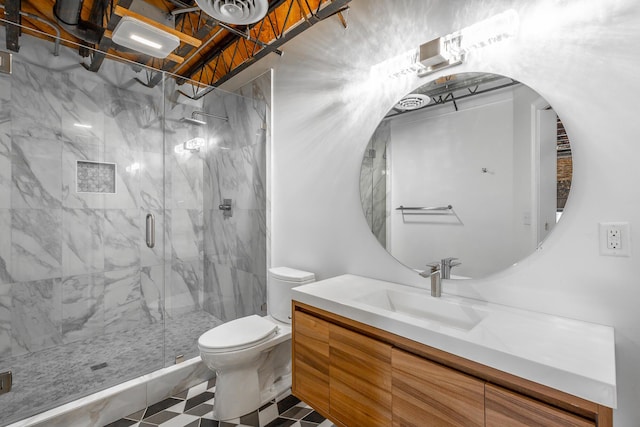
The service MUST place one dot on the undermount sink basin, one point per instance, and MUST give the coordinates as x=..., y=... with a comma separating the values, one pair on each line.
x=425, y=307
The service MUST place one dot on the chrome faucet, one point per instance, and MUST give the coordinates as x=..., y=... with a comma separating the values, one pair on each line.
x=446, y=264
x=436, y=282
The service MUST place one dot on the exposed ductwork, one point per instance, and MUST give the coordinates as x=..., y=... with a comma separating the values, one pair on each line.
x=67, y=13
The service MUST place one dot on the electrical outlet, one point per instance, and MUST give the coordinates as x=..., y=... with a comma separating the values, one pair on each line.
x=615, y=239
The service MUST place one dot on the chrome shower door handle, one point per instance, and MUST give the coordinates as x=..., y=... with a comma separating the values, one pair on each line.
x=151, y=230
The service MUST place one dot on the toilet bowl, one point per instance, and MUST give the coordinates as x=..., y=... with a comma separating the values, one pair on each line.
x=252, y=355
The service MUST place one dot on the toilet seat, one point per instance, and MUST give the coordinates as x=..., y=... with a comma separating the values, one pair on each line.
x=237, y=334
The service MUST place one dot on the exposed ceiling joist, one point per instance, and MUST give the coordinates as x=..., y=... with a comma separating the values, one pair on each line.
x=105, y=42
x=210, y=52
x=228, y=60
x=12, y=14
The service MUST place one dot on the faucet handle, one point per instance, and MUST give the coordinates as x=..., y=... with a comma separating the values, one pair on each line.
x=448, y=260
x=435, y=266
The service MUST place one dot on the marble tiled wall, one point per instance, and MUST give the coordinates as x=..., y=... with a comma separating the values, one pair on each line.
x=235, y=168
x=373, y=182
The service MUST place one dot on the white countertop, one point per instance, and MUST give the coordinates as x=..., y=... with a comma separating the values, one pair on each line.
x=569, y=355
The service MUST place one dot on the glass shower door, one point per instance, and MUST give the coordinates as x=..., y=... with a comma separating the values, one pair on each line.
x=81, y=292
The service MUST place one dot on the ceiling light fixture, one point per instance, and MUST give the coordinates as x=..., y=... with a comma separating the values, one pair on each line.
x=142, y=37
x=238, y=12
x=144, y=41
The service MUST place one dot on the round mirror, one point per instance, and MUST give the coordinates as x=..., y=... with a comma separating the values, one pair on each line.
x=470, y=171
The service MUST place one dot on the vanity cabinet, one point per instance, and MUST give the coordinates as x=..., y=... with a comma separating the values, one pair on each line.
x=344, y=375
x=357, y=375
x=427, y=393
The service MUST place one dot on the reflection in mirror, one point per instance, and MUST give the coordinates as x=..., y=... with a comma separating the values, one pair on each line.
x=469, y=166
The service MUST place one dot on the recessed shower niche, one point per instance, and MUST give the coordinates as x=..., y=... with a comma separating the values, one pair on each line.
x=95, y=177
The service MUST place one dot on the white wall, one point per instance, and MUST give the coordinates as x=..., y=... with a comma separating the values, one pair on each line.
x=580, y=56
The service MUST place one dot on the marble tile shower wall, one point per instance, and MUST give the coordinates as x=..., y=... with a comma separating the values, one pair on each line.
x=235, y=168
x=75, y=265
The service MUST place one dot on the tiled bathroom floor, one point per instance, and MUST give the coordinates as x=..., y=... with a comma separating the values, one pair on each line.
x=194, y=408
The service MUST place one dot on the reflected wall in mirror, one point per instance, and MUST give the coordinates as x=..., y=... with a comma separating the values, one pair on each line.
x=469, y=166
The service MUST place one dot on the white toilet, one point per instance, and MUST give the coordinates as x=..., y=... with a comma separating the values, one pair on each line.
x=252, y=355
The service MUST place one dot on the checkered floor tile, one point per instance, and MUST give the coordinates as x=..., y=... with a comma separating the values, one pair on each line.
x=194, y=408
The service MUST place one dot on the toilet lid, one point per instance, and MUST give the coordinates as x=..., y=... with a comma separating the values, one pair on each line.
x=238, y=334
x=291, y=274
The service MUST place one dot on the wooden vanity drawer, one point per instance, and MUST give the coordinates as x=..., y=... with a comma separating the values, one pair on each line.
x=506, y=408
x=427, y=393
x=360, y=379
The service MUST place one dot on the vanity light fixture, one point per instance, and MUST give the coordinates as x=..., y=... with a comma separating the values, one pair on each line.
x=399, y=65
x=142, y=37
x=449, y=50
x=452, y=49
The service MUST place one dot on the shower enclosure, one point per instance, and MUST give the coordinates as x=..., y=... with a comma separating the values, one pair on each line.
x=88, y=163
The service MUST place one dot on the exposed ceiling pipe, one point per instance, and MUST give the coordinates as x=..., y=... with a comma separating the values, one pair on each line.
x=175, y=12
x=67, y=13
x=56, y=49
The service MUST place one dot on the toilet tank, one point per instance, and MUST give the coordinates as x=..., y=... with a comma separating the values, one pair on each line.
x=281, y=281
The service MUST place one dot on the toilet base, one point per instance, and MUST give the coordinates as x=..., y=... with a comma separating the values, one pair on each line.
x=237, y=394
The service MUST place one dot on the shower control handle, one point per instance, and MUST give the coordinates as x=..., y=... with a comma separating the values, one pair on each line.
x=6, y=379
x=226, y=208
x=151, y=230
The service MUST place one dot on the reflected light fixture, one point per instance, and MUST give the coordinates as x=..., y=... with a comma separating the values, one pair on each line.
x=413, y=101
x=142, y=37
x=194, y=144
x=82, y=125
x=133, y=168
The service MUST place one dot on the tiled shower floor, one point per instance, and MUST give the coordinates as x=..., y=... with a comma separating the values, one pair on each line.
x=194, y=408
x=55, y=376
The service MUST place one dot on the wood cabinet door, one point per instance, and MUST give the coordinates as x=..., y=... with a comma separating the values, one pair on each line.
x=360, y=385
x=505, y=408
x=311, y=360
x=429, y=394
